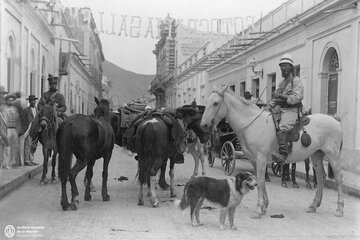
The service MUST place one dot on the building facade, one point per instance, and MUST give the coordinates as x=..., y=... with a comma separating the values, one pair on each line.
x=324, y=39
x=38, y=38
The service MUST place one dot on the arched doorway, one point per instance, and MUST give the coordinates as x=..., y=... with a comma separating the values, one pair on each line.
x=329, y=79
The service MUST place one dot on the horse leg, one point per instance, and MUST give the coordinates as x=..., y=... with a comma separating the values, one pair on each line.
x=104, y=190
x=153, y=199
x=314, y=178
x=162, y=182
x=196, y=161
x=79, y=165
x=260, y=176
x=45, y=165
x=64, y=199
x=317, y=160
x=293, y=177
x=267, y=178
x=53, y=164
x=284, y=175
x=88, y=177
x=334, y=161
x=307, y=169
x=202, y=158
x=171, y=174
x=141, y=196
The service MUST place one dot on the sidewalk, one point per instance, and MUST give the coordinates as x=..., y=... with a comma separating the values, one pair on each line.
x=11, y=179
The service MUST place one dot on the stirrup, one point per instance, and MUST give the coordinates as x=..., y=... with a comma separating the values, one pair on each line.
x=278, y=158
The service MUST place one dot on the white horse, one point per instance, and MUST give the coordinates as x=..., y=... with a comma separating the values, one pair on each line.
x=256, y=131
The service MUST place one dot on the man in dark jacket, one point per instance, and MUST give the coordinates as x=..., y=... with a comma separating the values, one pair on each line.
x=27, y=116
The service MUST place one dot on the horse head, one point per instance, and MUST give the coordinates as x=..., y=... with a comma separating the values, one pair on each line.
x=102, y=109
x=47, y=116
x=192, y=118
x=215, y=110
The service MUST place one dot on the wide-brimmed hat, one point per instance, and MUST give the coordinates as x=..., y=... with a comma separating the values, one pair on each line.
x=32, y=97
x=10, y=95
x=286, y=58
x=52, y=79
x=2, y=90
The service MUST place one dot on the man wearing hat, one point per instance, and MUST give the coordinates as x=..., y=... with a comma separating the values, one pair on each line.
x=286, y=99
x=27, y=116
x=53, y=97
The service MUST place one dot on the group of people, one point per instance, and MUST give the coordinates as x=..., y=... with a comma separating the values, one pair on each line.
x=18, y=131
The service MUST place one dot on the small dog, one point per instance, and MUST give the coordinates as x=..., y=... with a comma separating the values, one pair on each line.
x=226, y=192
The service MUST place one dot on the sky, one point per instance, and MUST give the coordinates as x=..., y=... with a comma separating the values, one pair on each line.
x=128, y=28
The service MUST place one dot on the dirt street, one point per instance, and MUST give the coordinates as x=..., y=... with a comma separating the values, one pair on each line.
x=35, y=210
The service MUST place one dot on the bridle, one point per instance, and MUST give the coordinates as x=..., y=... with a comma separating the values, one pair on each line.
x=222, y=99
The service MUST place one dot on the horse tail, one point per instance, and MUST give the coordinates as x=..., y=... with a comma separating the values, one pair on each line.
x=64, y=144
x=144, y=145
x=184, y=203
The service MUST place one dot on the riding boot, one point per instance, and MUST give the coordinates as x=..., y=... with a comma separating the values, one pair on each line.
x=281, y=156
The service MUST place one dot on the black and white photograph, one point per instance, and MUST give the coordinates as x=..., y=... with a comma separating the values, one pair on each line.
x=180, y=119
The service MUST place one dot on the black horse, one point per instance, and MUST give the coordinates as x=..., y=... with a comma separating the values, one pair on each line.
x=157, y=140
x=44, y=127
x=88, y=138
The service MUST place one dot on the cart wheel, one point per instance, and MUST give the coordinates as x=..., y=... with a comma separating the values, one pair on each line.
x=210, y=154
x=276, y=168
x=228, y=157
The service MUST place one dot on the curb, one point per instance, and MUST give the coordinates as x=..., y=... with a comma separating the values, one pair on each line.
x=16, y=182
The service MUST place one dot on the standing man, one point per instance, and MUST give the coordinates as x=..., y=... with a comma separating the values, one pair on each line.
x=287, y=99
x=4, y=141
x=12, y=116
x=28, y=116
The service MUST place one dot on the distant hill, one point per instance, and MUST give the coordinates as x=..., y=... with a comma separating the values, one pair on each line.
x=126, y=86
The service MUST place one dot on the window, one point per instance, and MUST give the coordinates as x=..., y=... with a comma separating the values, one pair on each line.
x=242, y=88
x=255, y=87
x=232, y=87
x=271, y=84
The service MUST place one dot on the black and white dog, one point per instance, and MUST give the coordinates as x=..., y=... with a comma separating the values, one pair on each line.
x=226, y=192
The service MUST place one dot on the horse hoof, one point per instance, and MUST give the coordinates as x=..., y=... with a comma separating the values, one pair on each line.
x=64, y=205
x=267, y=179
x=339, y=214
x=311, y=210
x=54, y=181
x=172, y=194
x=155, y=203
x=164, y=185
x=106, y=198
x=87, y=198
x=73, y=206
x=140, y=202
x=43, y=182
x=295, y=185
x=308, y=185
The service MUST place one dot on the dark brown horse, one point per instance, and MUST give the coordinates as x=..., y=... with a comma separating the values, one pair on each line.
x=44, y=126
x=88, y=138
x=155, y=143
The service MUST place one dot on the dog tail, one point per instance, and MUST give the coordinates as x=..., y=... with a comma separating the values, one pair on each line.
x=184, y=203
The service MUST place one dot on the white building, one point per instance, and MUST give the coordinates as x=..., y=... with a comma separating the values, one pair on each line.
x=324, y=39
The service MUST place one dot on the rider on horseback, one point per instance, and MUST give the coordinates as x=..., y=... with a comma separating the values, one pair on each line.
x=287, y=100
x=54, y=98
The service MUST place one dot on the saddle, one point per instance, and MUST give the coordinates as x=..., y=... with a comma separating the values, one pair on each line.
x=169, y=117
